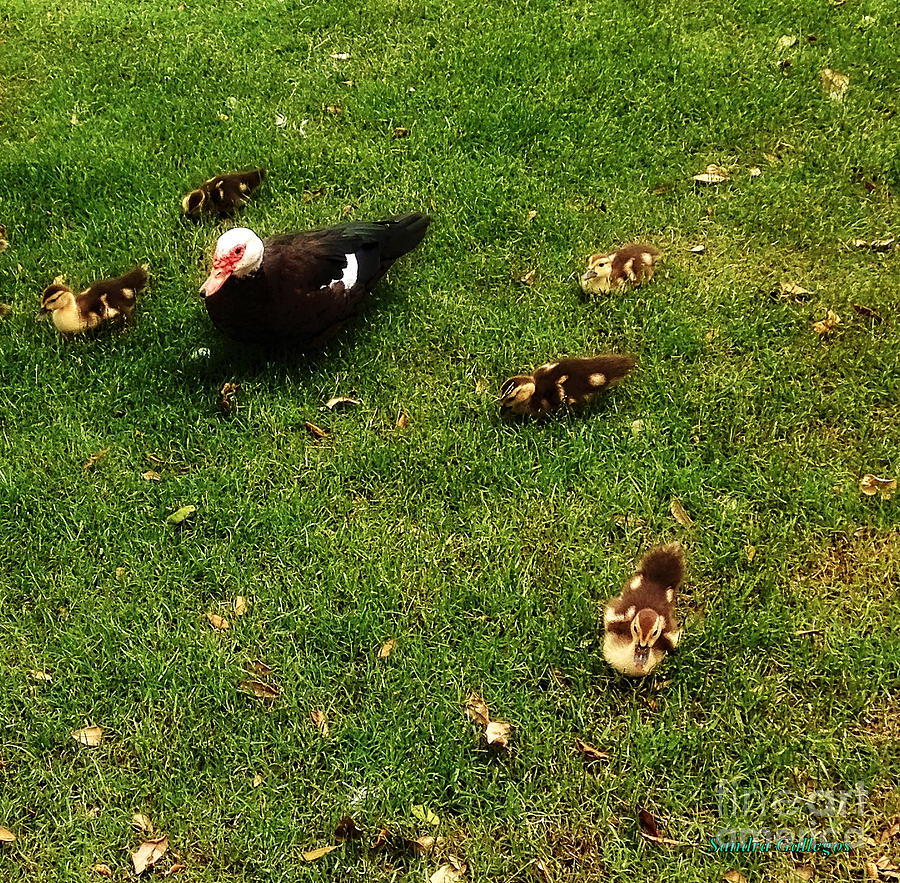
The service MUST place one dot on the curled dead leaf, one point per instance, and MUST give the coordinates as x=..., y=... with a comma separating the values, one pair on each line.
x=5, y=310
x=835, y=83
x=347, y=829
x=259, y=667
x=93, y=461
x=526, y=278
x=257, y=780
x=648, y=823
x=36, y=675
x=733, y=876
x=755, y=171
x=680, y=514
x=400, y=132
x=149, y=853
x=792, y=291
x=887, y=868
x=828, y=324
x=175, y=869
x=424, y=815
x=315, y=431
x=260, y=690
x=387, y=648
x=151, y=475
x=875, y=244
x=422, y=845
x=712, y=175
x=870, y=485
x=227, y=395
x=140, y=822
x=6, y=836
x=102, y=869
x=698, y=249
x=531, y=215
x=805, y=871
x=89, y=736
x=477, y=710
x=218, y=622
x=179, y=515
x=863, y=310
x=336, y=402
x=497, y=734
x=787, y=41
x=588, y=751
x=315, y=854
x=334, y=109
x=310, y=195
x=239, y=605
x=320, y=720
x=448, y=873
x=402, y=420
x=871, y=871
x=750, y=551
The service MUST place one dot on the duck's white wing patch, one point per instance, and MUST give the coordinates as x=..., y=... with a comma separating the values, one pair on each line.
x=350, y=274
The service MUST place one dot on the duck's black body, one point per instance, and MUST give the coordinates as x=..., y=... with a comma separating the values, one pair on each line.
x=297, y=296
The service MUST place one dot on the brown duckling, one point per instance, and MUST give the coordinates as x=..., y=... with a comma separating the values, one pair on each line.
x=223, y=194
x=4, y=243
x=104, y=301
x=640, y=626
x=632, y=264
x=568, y=382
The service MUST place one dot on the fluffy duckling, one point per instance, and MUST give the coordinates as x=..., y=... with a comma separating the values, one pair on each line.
x=640, y=624
x=104, y=301
x=634, y=264
x=571, y=382
x=223, y=194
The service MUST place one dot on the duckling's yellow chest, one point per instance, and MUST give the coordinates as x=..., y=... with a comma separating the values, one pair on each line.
x=619, y=653
x=69, y=320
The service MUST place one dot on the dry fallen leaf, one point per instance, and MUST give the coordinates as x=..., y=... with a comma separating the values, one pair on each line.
x=755, y=171
x=217, y=622
x=310, y=195
x=648, y=823
x=477, y=710
x=835, y=83
x=314, y=854
x=402, y=420
x=751, y=553
x=102, y=870
x=863, y=310
x=36, y=675
x=422, y=845
x=93, y=461
x=425, y=815
x=6, y=836
x=339, y=56
x=149, y=853
x=340, y=402
x=90, y=736
x=175, y=869
x=140, y=822
x=713, y=175
x=698, y=249
x=870, y=485
x=227, y=395
x=828, y=324
x=320, y=720
x=120, y=572
x=334, y=108
x=889, y=832
x=259, y=667
x=239, y=605
x=400, y=132
x=179, y=515
x=260, y=690
x=448, y=874
x=886, y=868
x=871, y=871
x=151, y=475
x=347, y=829
x=5, y=310
x=257, y=780
x=787, y=41
x=531, y=215
x=734, y=877
x=387, y=648
x=497, y=734
x=525, y=278
x=588, y=751
x=679, y=513
x=792, y=291
x=315, y=431
x=875, y=244
x=805, y=871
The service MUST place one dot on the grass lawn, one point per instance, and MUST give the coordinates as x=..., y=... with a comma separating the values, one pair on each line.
x=485, y=547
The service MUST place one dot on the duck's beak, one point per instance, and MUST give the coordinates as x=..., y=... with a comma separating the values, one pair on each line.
x=214, y=281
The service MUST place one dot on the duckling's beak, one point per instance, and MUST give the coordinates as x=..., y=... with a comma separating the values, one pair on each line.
x=641, y=655
x=43, y=312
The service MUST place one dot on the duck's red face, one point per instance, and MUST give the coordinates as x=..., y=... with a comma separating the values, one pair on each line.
x=238, y=252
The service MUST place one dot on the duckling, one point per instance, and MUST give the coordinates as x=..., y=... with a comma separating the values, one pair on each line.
x=223, y=194
x=635, y=264
x=4, y=243
x=639, y=624
x=104, y=301
x=572, y=382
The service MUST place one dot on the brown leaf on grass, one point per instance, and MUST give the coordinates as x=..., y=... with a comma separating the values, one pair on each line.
x=422, y=845
x=876, y=244
x=713, y=174
x=89, y=736
x=310, y=195
x=175, y=869
x=149, y=853
x=387, y=648
x=315, y=854
x=834, y=83
x=787, y=41
x=477, y=710
x=448, y=873
x=6, y=836
x=120, y=572
x=334, y=109
x=36, y=675
x=679, y=513
x=5, y=310
x=792, y=291
x=219, y=623
x=400, y=132
x=871, y=871
x=828, y=324
x=863, y=310
x=805, y=871
x=497, y=734
x=259, y=667
x=588, y=752
x=889, y=832
x=320, y=720
x=93, y=461
x=870, y=485
x=531, y=215
x=140, y=822
x=648, y=823
x=347, y=829
x=227, y=395
x=257, y=780
x=402, y=420
x=151, y=475
x=315, y=431
x=750, y=552
x=886, y=868
x=260, y=690
x=526, y=278
x=336, y=402
x=102, y=869
x=733, y=876
x=239, y=605
x=660, y=189
x=180, y=514
x=379, y=840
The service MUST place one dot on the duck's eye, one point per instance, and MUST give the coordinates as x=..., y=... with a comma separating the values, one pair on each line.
x=239, y=250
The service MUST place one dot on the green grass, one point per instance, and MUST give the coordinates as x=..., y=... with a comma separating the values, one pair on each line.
x=485, y=548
